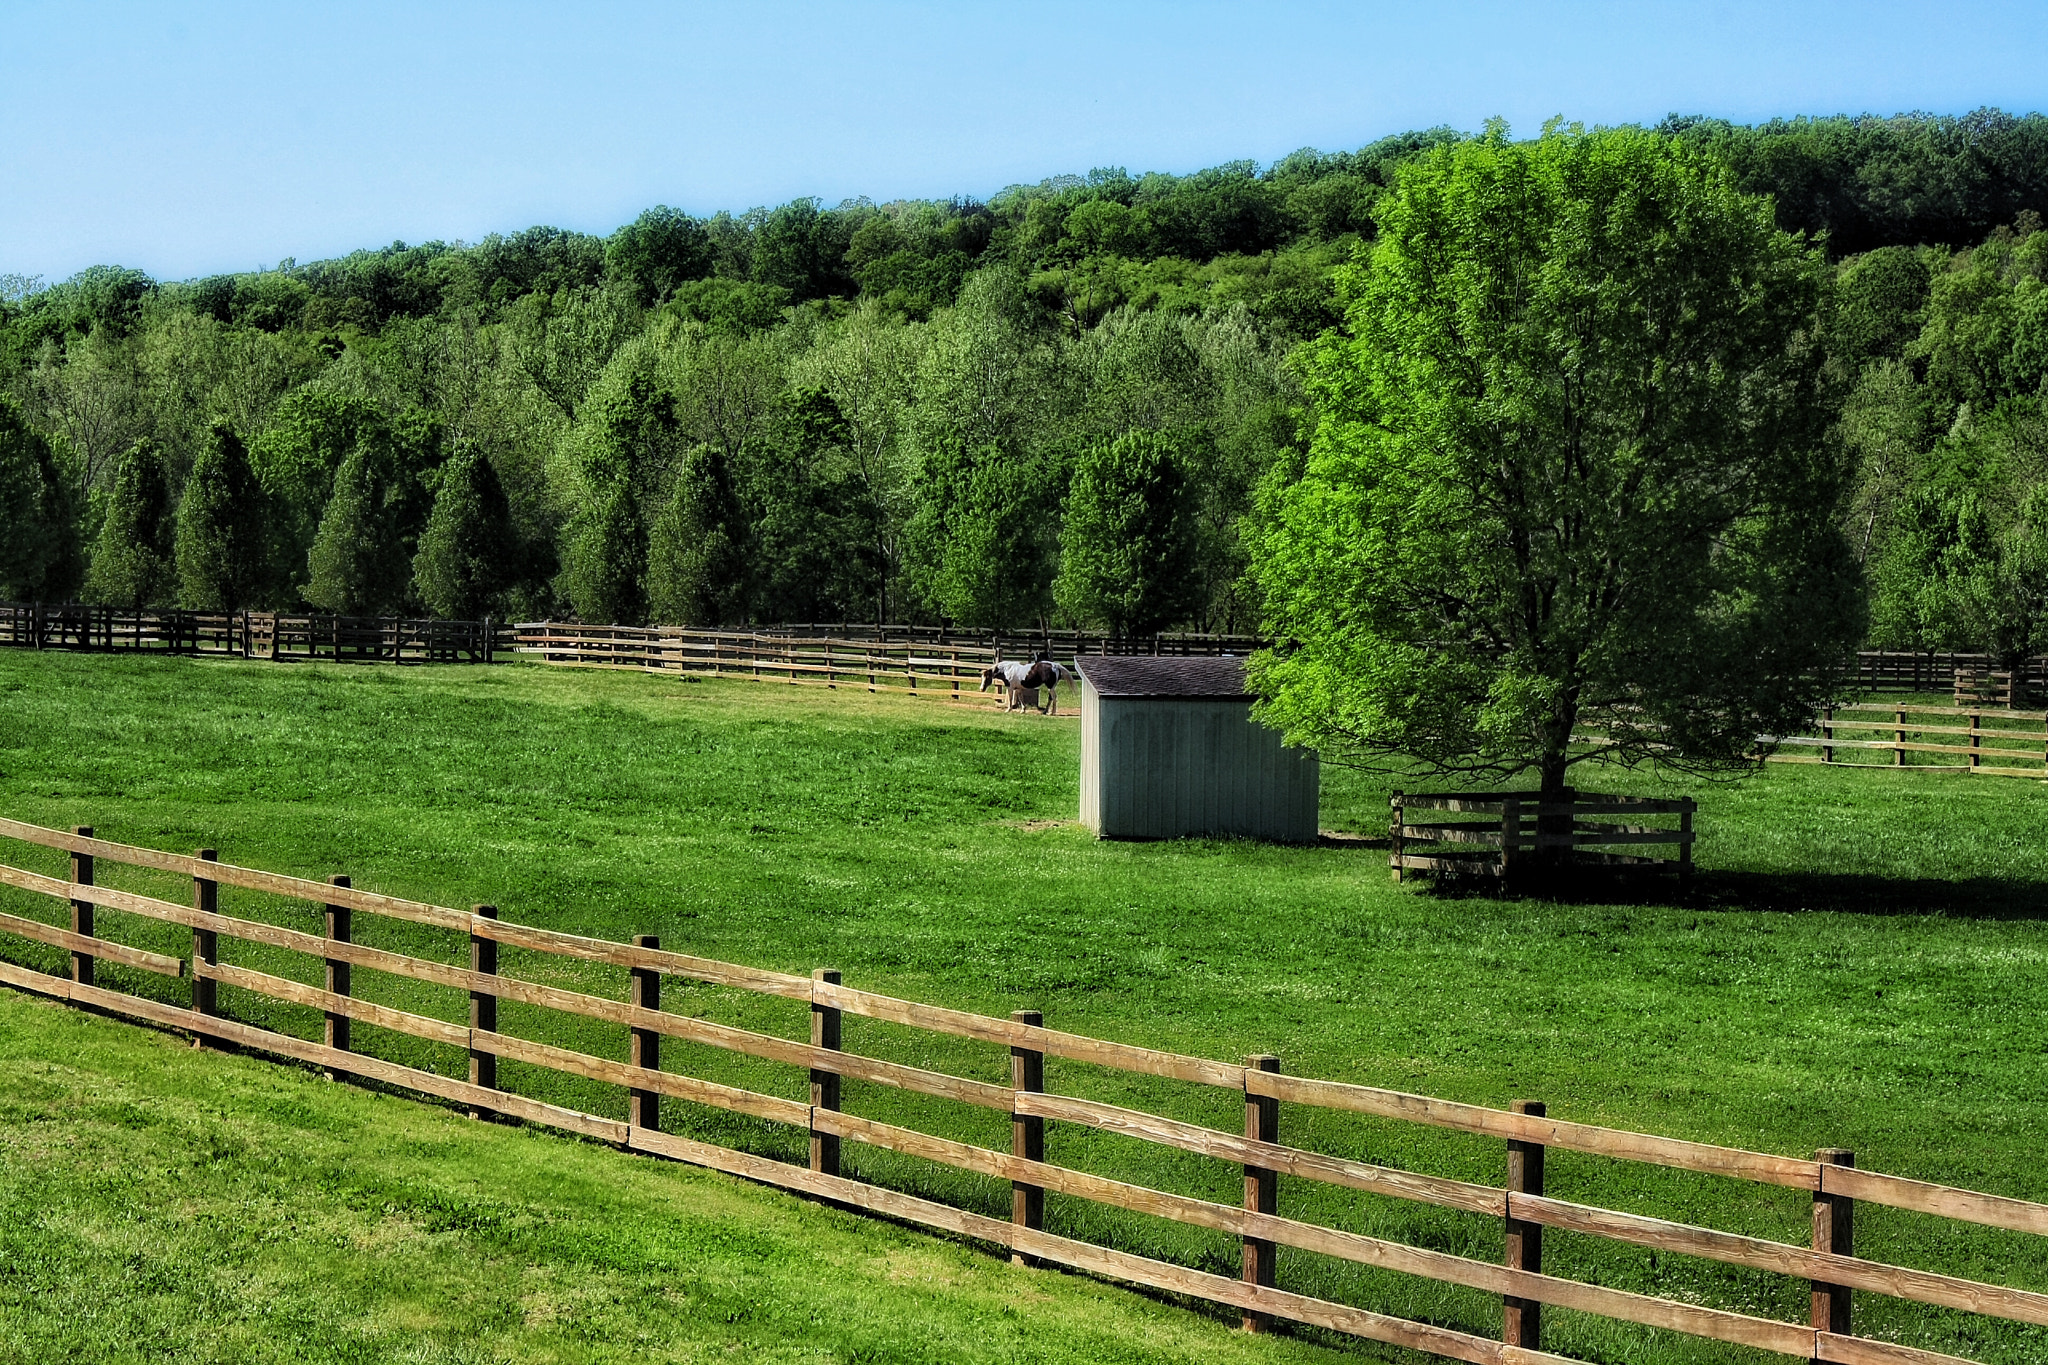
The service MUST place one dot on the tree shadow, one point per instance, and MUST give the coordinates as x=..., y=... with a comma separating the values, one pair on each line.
x=1851, y=893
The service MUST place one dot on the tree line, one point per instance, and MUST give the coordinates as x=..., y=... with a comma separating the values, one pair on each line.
x=1060, y=404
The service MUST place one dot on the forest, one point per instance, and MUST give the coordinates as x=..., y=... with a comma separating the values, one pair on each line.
x=1057, y=405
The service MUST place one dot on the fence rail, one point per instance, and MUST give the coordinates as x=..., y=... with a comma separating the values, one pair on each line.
x=1994, y=741
x=1524, y=824
x=920, y=665
x=1830, y=1264
x=252, y=634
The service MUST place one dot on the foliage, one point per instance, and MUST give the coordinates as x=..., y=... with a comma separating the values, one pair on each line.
x=1051, y=318
x=469, y=552
x=223, y=539
x=697, y=551
x=135, y=563
x=39, y=551
x=357, y=564
x=1127, y=548
x=1570, y=472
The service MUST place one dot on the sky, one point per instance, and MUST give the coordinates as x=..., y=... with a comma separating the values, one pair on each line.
x=195, y=139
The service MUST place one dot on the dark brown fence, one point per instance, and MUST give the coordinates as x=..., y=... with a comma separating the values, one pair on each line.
x=1880, y=670
x=253, y=634
x=1523, y=1207
x=1521, y=824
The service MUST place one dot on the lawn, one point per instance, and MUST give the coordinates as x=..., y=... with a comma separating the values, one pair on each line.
x=1863, y=967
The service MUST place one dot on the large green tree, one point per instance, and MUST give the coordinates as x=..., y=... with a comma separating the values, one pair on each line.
x=134, y=563
x=1127, y=548
x=224, y=551
x=39, y=549
x=469, y=554
x=1570, y=475
x=357, y=565
x=696, y=554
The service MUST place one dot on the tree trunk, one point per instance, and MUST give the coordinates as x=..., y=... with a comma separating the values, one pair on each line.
x=1554, y=813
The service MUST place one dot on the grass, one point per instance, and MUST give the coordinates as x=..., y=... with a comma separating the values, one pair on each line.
x=1862, y=968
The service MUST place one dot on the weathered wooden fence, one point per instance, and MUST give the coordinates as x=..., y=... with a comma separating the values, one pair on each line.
x=1523, y=1206
x=1880, y=670
x=252, y=634
x=1524, y=825
x=919, y=665
x=1990, y=740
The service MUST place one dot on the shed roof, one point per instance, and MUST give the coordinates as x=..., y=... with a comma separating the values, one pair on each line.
x=1213, y=678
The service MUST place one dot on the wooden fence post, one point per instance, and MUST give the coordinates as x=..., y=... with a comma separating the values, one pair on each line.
x=81, y=911
x=1027, y=1132
x=1522, y=1319
x=483, y=1009
x=643, y=1107
x=1976, y=737
x=1510, y=836
x=340, y=930
x=1899, y=739
x=1685, y=813
x=1261, y=1186
x=824, y=1084
x=1827, y=731
x=1396, y=833
x=205, y=948
x=1834, y=1229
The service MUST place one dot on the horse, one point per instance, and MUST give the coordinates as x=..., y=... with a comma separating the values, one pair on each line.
x=1017, y=678
x=1011, y=676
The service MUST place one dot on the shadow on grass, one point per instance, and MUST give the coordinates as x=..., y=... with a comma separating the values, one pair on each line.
x=1986, y=898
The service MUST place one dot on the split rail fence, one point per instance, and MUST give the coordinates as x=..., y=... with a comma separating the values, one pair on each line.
x=1988, y=740
x=1528, y=826
x=919, y=665
x=252, y=634
x=1830, y=1264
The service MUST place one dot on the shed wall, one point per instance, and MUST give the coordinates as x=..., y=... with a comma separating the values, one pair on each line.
x=1157, y=768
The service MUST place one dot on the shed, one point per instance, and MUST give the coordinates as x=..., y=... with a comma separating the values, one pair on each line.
x=1169, y=747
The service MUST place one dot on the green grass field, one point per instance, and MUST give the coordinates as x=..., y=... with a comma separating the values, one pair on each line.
x=1863, y=967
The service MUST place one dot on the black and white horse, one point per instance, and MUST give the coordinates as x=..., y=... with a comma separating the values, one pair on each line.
x=1020, y=678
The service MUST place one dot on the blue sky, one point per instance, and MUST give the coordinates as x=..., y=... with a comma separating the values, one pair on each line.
x=191, y=139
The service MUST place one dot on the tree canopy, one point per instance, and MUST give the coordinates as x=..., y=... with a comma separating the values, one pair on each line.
x=895, y=411
x=1570, y=475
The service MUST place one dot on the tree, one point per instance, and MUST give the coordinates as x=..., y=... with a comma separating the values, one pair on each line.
x=657, y=251
x=696, y=555
x=469, y=553
x=1995, y=580
x=607, y=556
x=135, y=562
x=978, y=542
x=630, y=440
x=357, y=563
x=1570, y=474
x=1128, y=542
x=39, y=550
x=223, y=543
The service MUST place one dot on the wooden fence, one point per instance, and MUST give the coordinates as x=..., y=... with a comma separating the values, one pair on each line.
x=252, y=634
x=1523, y=1206
x=1525, y=825
x=1881, y=670
x=1022, y=644
x=1991, y=740
x=913, y=666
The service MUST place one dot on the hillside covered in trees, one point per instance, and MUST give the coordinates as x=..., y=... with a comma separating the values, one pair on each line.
x=1053, y=405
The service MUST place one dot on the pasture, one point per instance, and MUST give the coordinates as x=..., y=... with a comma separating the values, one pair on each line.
x=1862, y=968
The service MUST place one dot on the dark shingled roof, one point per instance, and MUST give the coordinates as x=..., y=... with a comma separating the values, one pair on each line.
x=1216, y=677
